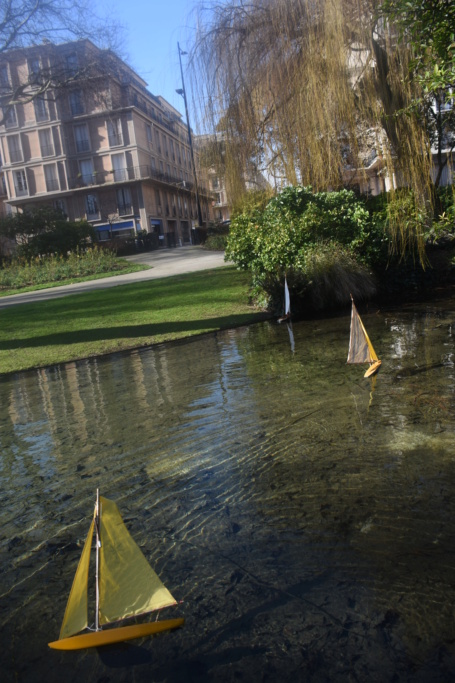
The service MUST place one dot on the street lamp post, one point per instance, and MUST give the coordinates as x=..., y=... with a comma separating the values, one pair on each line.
x=182, y=91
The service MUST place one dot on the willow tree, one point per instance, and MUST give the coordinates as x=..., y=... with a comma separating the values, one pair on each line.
x=300, y=88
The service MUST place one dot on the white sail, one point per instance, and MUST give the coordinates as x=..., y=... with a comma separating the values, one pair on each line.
x=287, y=299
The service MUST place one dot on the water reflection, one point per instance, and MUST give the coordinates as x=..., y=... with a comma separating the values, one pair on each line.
x=304, y=514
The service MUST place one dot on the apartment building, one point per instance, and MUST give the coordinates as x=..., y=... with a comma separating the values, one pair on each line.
x=99, y=146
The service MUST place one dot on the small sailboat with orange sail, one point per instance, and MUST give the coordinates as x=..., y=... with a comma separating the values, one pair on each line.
x=360, y=347
x=125, y=586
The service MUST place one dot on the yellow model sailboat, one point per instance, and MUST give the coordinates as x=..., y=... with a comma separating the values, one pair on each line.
x=125, y=586
x=360, y=347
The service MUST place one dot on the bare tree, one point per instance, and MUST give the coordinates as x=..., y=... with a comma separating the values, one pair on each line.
x=25, y=24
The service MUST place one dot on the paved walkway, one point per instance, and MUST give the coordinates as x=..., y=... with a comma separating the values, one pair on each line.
x=164, y=262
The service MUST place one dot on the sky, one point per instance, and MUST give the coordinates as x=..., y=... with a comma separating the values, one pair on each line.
x=152, y=29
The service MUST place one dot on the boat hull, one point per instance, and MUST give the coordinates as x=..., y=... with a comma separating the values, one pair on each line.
x=374, y=367
x=115, y=635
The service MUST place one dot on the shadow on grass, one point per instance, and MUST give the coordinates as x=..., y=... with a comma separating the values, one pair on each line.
x=131, y=331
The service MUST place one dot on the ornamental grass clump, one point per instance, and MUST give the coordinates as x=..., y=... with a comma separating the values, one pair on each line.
x=39, y=270
x=332, y=275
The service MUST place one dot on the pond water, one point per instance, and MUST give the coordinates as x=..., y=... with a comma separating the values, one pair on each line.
x=304, y=515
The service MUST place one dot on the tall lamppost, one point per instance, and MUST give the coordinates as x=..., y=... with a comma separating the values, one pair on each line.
x=182, y=91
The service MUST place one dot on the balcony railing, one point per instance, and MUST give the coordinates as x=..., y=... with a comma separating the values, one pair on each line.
x=115, y=140
x=16, y=155
x=167, y=123
x=47, y=151
x=130, y=173
x=125, y=209
x=52, y=185
x=83, y=145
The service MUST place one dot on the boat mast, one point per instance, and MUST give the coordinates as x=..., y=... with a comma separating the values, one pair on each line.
x=98, y=545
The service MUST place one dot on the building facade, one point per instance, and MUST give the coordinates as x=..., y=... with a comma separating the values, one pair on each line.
x=98, y=147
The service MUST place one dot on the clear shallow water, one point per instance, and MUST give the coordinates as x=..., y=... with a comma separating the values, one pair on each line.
x=303, y=514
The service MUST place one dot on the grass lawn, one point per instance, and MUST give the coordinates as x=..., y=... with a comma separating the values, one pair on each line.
x=123, y=317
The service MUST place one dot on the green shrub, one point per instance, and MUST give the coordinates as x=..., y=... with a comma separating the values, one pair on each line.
x=215, y=242
x=314, y=238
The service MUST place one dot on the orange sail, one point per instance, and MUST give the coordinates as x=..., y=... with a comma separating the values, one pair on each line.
x=360, y=347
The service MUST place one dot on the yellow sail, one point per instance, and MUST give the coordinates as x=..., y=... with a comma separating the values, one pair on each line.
x=128, y=585
x=75, y=618
x=360, y=347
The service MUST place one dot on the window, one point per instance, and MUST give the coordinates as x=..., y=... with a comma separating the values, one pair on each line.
x=81, y=135
x=124, y=203
x=59, y=205
x=76, y=102
x=34, y=66
x=215, y=183
x=50, y=175
x=4, y=76
x=217, y=196
x=118, y=166
x=20, y=183
x=15, y=149
x=86, y=168
x=157, y=138
x=46, y=142
x=448, y=100
x=444, y=101
x=72, y=63
x=86, y=171
x=158, y=201
x=152, y=163
x=40, y=109
x=34, y=69
x=148, y=130
x=10, y=116
x=171, y=142
x=91, y=206
x=114, y=132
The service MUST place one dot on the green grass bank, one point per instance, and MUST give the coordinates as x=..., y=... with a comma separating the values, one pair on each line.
x=124, y=317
